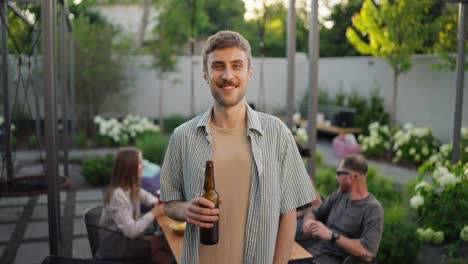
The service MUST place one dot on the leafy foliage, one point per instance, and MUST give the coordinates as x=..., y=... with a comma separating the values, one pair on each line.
x=397, y=230
x=441, y=201
x=153, y=146
x=97, y=170
x=395, y=30
x=172, y=122
x=333, y=41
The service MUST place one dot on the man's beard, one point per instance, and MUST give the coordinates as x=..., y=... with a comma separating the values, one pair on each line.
x=220, y=99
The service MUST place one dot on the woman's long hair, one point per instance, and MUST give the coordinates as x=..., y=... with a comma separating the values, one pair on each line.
x=125, y=174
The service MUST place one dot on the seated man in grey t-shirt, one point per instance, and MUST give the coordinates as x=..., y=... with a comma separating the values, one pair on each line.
x=349, y=222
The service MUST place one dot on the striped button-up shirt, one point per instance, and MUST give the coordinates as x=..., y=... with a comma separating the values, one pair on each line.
x=279, y=181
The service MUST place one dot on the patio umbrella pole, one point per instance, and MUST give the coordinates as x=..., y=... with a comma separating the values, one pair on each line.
x=48, y=46
x=460, y=81
x=6, y=100
x=313, y=87
x=291, y=53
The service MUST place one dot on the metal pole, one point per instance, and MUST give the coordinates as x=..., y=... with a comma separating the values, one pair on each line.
x=48, y=46
x=64, y=87
x=72, y=89
x=313, y=86
x=6, y=100
x=35, y=88
x=261, y=85
x=192, y=79
x=291, y=53
x=460, y=81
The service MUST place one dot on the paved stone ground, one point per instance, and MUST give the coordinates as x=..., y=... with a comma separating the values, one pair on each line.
x=23, y=220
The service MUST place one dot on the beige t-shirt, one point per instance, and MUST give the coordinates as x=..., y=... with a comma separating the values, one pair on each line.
x=232, y=160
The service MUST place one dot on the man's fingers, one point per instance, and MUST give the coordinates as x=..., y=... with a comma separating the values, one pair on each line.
x=198, y=223
x=202, y=202
x=201, y=217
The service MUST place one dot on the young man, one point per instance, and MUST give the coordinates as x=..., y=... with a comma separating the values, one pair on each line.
x=259, y=174
x=349, y=222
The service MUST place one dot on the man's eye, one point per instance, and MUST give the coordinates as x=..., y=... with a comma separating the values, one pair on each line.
x=217, y=66
x=238, y=66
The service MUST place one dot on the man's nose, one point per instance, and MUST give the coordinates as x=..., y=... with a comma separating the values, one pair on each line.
x=227, y=73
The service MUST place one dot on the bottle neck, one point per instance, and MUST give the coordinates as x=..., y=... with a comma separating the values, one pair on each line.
x=209, y=177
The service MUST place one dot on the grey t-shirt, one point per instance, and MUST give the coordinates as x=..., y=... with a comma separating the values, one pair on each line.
x=359, y=219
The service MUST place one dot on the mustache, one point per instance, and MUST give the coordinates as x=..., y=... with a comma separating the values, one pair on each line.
x=224, y=82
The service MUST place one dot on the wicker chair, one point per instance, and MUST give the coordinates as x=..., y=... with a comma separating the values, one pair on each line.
x=110, y=245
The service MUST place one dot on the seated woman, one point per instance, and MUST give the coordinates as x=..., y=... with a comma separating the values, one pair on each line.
x=121, y=211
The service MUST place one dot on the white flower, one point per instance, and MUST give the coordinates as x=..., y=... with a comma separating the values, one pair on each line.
x=464, y=132
x=387, y=145
x=425, y=151
x=296, y=117
x=421, y=185
x=417, y=201
x=408, y=126
x=466, y=149
x=446, y=149
x=412, y=151
x=439, y=172
x=399, y=153
x=438, y=237
x=448, y=179
x=417, y=157
x=464, y=233
x=374, y=126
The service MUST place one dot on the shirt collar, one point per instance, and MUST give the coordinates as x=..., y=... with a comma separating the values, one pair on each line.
x=253, y=120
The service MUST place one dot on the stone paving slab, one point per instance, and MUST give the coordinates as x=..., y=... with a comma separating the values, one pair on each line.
x=37, y=230
x=6, y=231
x=79, y=227
x=32, y=253
x=10, y=213
x=42, y=199
x=89, y=195
x=13, y=201
x=81, y=207
x=81, y=248
x=41, y=212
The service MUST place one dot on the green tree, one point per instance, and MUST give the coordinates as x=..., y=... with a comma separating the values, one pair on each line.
x=272, y=19
x=395, y=30
x=333, y=41
x=447, y=39
x=100, y=70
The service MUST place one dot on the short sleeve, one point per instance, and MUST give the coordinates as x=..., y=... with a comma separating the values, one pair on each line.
x=296, y=189
x=373, y=228
x=171, y=173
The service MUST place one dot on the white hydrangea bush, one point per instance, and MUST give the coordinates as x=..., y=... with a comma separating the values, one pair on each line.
x=378, y=141
x=440, y=201
x=125, y=131
x=444, y=156
x=414, y=144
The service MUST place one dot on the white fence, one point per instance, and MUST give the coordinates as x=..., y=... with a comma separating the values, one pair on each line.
x=426, y=96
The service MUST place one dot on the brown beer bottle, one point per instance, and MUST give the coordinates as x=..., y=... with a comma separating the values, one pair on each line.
x=209, y=236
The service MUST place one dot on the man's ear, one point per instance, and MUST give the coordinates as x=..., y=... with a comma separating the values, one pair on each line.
x=205, y=76
x=250, y=74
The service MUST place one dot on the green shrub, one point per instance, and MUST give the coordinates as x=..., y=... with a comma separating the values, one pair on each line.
x=326, y=181
x=97, y=170
x=172, y=122
x=153, y=146
x=399, y=243
x=382, y=188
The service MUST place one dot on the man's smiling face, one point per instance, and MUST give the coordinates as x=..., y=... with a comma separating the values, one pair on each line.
x=228, y=72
